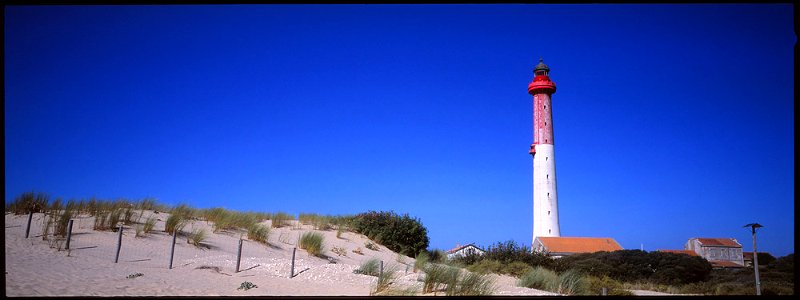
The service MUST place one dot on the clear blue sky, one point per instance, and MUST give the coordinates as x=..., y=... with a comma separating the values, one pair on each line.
x=671, y=121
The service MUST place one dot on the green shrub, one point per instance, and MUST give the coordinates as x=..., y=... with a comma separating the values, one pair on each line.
x=401, y=234
x=636, y=265
x=487, y=266
x=595, y=286
x=312, y=242
x=437, y=256
x=259, y=233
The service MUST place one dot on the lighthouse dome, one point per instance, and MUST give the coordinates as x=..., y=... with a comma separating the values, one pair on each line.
x=541, y=66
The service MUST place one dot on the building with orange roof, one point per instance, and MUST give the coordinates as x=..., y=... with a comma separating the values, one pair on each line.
x=563, y=246
x=720, y=252
x=687, y=252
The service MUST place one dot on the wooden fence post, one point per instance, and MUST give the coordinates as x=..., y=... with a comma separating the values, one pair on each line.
x=239, y=255
x=172, y=249
x=291, y=274
x=28, y=229
x=69, y=233
x=119, y=244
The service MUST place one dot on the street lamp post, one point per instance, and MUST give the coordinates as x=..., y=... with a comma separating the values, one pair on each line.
x=755, y=255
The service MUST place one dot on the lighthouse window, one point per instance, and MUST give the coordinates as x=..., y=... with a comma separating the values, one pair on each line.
x=548, y=176
x=549, y=231
x=548, y=212
x=545, y=158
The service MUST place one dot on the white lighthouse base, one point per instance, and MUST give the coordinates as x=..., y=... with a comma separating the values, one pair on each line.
x=545, y=197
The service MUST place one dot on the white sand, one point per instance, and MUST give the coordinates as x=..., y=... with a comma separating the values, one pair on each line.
x=33, y=268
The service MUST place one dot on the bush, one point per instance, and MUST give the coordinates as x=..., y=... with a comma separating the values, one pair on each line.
x=782, y=264
x=312, y=242
x=637, y=266
x=510, y=251
x=486, y=266
x=595, y=286
x=401, y=234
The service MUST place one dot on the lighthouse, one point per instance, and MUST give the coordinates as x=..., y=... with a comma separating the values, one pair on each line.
x=545, y=197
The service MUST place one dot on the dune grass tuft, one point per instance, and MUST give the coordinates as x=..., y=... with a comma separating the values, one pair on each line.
x=175, y=222
x=196, y=237
x=280, y=219
x=312, y=242
x=369, y=267
x=539, y=278
x=149, y=224
x=258, y=233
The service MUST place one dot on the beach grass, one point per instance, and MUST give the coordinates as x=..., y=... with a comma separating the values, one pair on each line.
x=258, y=233
x=473, y=284
x=539, y=278
x=196, y=237
x=385, y=279
x=149, y=224
x=280, y=219
x=175, y=222
x=312, y=242
x=369, y=267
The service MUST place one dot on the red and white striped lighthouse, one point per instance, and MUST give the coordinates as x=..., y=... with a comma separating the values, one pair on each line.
x=545, y=197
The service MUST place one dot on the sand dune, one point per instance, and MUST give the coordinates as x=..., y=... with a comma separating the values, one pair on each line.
x=35, y=267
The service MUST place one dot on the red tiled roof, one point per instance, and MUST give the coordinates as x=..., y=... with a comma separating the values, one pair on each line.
x=724, y=264
x=727, y=242
x=578, y=244
x=459, y=247
x=747, y=255
x=687, y=252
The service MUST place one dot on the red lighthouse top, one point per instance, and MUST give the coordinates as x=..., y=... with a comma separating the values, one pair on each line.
x=541, y=81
